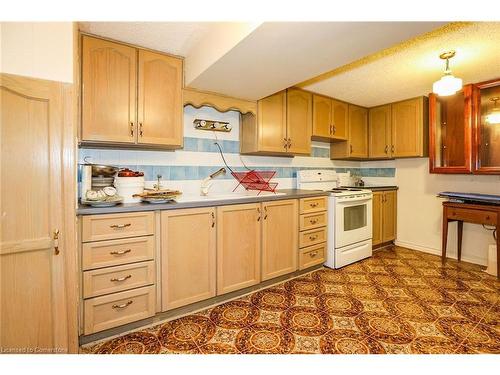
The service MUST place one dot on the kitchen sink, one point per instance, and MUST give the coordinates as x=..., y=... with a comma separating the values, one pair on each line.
x=225, y=196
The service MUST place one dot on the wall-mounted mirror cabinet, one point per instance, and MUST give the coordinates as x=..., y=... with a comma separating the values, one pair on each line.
x=464, y=130
x=486, y=148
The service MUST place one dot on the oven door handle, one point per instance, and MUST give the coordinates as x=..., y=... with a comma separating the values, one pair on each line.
x=356, y=199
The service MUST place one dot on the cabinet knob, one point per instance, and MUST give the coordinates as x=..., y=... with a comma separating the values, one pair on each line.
x=289, y=142
x=313, y=221
x=392, y=148
x=286, y=143
x=140, y=129
x=313, y=254
x=56, y=241
x=350, y=148
x=386, y=149
x=312, y=238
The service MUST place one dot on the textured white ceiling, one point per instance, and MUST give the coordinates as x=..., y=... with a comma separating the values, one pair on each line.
x=277, y=55
x=410, y=71
x=177, y=38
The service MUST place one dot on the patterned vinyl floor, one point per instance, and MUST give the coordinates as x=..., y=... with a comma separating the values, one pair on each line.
x=398, y=301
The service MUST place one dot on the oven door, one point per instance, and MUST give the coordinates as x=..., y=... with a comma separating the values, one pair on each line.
x=353, y=219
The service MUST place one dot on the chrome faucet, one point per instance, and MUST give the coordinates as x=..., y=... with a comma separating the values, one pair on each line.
x=206, y=183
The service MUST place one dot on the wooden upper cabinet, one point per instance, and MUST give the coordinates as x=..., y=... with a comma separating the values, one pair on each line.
x=283, y=125
x=379, y=132
x=299, y=121
x=356, y=147
x=159, y=99
x=410, y=128
x=271, y=113
x=358, y=131
x=279, y=238
x=108, y=91
x=486, y=130
x=238, y=246
x=322, y=117
x=330, y=119
x=130, y=96
x=340, y=118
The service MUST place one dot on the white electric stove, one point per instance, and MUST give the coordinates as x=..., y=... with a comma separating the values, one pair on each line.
x=349, y=217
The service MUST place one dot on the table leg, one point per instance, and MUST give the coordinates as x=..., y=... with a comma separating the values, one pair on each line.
x=460, y=227
x=444, y=235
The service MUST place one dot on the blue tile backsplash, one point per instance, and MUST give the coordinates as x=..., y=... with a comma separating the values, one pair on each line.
x=181, y=172
x=193, y=144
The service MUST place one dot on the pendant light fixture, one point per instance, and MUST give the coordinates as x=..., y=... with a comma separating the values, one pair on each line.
x=494, y=116
x=448, y=84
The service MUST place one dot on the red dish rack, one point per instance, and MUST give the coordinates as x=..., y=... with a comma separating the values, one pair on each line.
x=256, y=180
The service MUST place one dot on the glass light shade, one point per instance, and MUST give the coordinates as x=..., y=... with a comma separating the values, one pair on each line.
x=447, y=85
x=493, y=117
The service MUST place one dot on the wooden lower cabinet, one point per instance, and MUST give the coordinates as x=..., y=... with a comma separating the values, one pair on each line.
x=238, y=246
x=384, y=216
x=389, y=216
x=188, y=256
x=279, y=238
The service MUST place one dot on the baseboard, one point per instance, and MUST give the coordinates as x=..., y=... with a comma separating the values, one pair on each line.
x=449, y=254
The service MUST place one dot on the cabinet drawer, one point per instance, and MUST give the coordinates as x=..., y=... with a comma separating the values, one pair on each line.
x=111, y=226
x=116, y=279
x=473, y=216
x=110, y=311
x=312, y=237
x=314, y=220
x=314, y=204
x=311, y=256
x=116, y=252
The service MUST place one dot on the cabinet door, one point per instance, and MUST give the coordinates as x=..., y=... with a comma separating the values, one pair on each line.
x=299, y=121
x=279, y=238
x=108, y=91
x=238, y=246
x=160, y=99
x=486, y=140
x=34, y=313
x=271, y=114
x=322, y=117
x=407, y=128
x=389, y=208
x=379, y=132
x=188, y=268
x=340, y=119
x=358, y=131
x=378, y=197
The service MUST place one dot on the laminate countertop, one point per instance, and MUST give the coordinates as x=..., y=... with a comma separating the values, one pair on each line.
x=203, y=202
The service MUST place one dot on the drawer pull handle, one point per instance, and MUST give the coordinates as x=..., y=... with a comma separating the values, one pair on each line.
x=313, y=221
x=315, y=204
x=123, y=305
x=121, y=278
x=120, y=226
x=312, y=238
x=313, y=254
x=121, y=252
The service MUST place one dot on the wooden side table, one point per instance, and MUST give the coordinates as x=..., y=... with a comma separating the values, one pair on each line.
x=470, y=213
